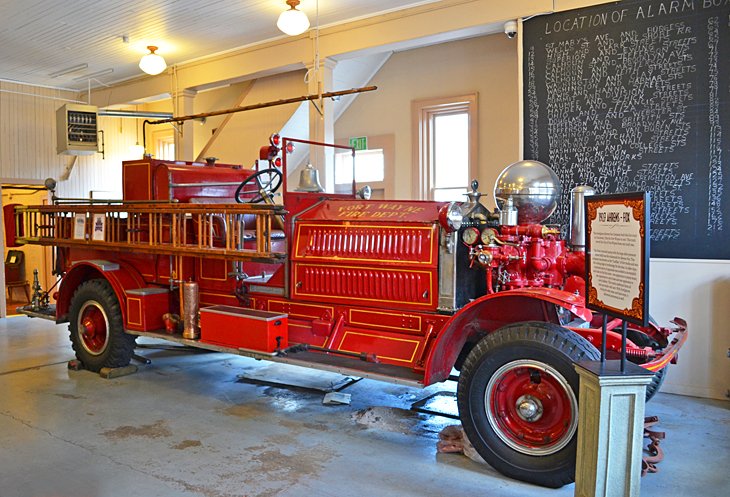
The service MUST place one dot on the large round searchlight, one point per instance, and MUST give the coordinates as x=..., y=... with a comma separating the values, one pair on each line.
x=533, y=187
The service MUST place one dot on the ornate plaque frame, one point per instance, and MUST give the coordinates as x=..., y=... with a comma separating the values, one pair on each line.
x=637, y=205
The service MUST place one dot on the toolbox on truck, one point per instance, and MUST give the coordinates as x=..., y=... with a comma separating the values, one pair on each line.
x=145, y=307
x=243, y=328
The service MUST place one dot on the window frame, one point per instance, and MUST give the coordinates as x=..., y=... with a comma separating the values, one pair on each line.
x=423, y=113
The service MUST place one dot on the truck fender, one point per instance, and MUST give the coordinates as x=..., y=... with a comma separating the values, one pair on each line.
x=491, y=312
x=121, y=277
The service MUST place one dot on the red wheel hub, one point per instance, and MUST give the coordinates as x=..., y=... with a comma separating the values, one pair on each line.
x=92, y=328
x=531, y=406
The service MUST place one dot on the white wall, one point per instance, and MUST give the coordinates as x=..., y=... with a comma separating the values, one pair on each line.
x=28, y=143
x=699, y=292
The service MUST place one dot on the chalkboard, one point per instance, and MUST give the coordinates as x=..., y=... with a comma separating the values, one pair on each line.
x=635, y=96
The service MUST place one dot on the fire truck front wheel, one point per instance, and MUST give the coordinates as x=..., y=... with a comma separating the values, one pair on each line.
x=97, y=329
x=518, y=400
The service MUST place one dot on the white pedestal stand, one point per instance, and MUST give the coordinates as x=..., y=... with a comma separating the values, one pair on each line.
x=610, y=429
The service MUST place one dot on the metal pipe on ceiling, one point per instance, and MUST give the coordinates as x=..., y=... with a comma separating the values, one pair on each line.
x=134, y=114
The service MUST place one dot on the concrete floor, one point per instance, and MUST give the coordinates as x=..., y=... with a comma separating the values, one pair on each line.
x=186, y=426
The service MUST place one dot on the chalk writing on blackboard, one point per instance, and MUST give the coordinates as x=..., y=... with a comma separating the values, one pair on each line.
x=630, y=102
x=534, y=106
x=714, y=214
x=634, y=96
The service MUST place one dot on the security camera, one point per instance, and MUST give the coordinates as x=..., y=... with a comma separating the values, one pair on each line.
x=510, y=29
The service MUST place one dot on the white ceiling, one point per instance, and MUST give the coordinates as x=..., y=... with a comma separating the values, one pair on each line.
x=42, y=37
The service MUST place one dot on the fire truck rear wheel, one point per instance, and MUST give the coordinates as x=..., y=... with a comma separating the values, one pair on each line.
x=97, y=329
x=518, y=400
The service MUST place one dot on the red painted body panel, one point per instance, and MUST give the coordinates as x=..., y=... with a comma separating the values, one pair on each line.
x=395, y=337
x=150, y=179
x=402, y=211
x=395, y=244
x=145, y=308
x=386, y=265
x=379, y=287
x=9, y=224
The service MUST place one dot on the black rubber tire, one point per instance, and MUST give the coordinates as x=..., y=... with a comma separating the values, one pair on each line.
x=534, y=341
x=656, y=383
x=118, y=348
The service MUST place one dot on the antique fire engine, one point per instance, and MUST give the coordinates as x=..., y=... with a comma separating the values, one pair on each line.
x=399, y=291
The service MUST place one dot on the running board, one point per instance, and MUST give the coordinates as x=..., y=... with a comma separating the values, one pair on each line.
x=311, y=360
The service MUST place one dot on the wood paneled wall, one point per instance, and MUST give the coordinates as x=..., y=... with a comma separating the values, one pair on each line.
x=28, y=143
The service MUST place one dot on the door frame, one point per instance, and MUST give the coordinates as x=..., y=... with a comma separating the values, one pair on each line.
x=5, y=183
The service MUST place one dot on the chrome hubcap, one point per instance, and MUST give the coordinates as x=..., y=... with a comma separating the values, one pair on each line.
x=529, y=408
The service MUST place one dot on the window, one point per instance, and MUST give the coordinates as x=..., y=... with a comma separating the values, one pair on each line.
x=161, y=143
x=374, y=167
x=369, y=167
x=445, y=147
x=165, y=147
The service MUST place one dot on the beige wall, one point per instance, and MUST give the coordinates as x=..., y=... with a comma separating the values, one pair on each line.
x=698, y=291
x=246, y=132
x=486, y=65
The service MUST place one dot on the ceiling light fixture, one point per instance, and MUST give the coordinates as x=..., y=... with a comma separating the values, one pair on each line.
x=152, y=63
x=293, y=21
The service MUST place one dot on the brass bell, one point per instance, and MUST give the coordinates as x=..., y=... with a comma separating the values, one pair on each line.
x=309, y=180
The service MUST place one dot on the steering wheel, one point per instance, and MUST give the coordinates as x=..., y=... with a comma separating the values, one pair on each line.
x=265, y=189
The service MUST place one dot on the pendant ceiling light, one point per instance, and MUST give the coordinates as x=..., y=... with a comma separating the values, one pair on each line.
x=152, y=63
x=293, y=21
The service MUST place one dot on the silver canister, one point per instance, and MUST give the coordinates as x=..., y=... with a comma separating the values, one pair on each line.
x=508, y=214
x=190, y=310
x=578, y=216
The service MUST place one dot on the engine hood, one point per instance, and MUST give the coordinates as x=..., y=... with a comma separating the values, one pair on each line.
x=399, y=211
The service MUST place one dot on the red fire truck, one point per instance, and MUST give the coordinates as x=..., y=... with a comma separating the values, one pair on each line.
x=398, y=291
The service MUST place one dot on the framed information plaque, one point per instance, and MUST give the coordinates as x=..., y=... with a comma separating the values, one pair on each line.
x=617, y=255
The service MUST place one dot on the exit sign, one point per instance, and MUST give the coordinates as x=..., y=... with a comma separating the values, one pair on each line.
x=359, y=142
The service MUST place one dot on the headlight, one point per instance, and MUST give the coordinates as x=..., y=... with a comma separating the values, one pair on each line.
x=450, y=216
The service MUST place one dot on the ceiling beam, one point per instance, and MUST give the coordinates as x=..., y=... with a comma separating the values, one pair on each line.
x=428, y=23
x=244, y=93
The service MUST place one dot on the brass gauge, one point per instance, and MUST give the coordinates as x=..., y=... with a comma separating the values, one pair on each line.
x=470, y=236
x=488, y=236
